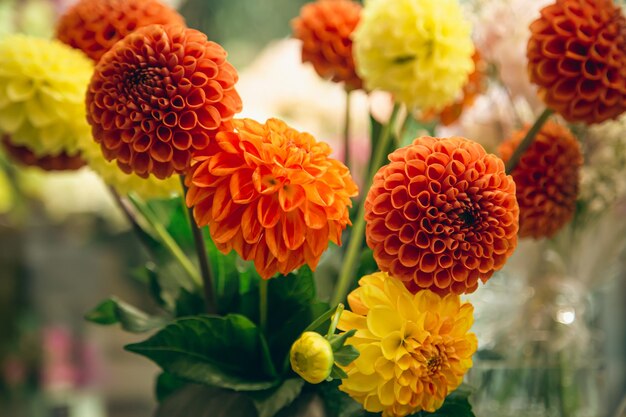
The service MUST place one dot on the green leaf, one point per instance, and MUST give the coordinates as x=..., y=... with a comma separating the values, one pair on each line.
x=346, y=355
x=227, y=352
x=113, y=311
x=166, y=385
x=268, y=403
x=189, y=304
x=201, y=401
x=367, y=264
x=456, y=405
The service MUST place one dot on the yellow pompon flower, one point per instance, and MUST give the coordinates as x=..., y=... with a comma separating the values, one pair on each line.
x=6, y=193
x=414, y=349
x=123, y=183
x=312, y=357
x=418, y=50
x=42, y=94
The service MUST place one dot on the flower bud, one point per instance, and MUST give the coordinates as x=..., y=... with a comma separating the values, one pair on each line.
x=312, y=357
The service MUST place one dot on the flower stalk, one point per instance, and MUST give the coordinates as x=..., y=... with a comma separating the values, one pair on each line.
x=358, y=230
x=203, y=261
x=528, y=140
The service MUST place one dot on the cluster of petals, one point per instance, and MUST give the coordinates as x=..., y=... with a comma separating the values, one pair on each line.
x=94, y=26
x=546, y=179
x=270, y=193
x=474, y=86
x=442, y=215
x=414, y=349
x=418, y=50
x=325, y=28
x=577, y=58
x=42, y=92
x=24, y=156
x=157, y=96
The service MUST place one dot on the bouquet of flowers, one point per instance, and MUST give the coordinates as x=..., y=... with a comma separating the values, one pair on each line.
x=238, y=214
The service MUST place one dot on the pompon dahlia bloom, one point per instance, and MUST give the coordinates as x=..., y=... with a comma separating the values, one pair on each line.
x=472, y=88
x=418, y=50
x=94, y=26
x=42, y=90
x=59, y=162
x=414, y=349
x=577, y=58
x=159, y=95
x=441, y=215
x=546, y=179
x=325, y=28
x=270, y=193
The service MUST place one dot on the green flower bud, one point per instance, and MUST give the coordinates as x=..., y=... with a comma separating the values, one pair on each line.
x=312, y=357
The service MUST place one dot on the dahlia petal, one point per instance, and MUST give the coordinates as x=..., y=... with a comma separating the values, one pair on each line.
x=268, y=211
x=294, y=232
x=383, y=321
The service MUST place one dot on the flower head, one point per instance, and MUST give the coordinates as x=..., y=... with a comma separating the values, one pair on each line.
x=42, y=90
x=59, y=162
x=577, y=58
x=414, y=349
x=441, y=215
x=270, y=193
x=158, y=95
x=546, y=179
x=94, y=26
x=418, y=50
x=470, y=91
x=312, y=357
x=325, y=28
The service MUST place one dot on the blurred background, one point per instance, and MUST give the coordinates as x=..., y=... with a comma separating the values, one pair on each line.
x=64, y=246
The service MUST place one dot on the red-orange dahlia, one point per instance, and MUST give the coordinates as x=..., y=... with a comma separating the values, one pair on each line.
x=24, y=156
x=325, y=28
x=270, y=193
x=577, y=58
x=94, y=26
x=158, y=95
x=441, y=215
x=546, y=178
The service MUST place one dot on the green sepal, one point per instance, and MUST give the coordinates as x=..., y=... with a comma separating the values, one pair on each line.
x=346, y=355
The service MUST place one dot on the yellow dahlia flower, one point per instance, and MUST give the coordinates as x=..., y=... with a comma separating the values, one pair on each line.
x=312, y=357
x=414, y=349
x=418, y=50
x=6, y=193
x=42, y=94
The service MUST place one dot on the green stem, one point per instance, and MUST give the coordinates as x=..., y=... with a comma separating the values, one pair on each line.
x=263, y=304
x=358, y=230
x=203, y=260
x=346, y=131
x=335, y=321
x=166, y=239
x=528, y=140
x=321, y=320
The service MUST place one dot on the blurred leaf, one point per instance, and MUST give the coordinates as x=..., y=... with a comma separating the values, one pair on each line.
x=167, y=384
x=227, y=352
x=268, y=403
x=189, y=304
x=201, y=401
x=113, y=311
x=338, y=340
x=367, y=264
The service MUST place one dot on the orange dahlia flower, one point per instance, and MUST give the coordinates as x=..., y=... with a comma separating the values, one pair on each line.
x=577, y=58
x=60, y=162
x=546, y=178
x=325, y=28
x=270, y=193
x=158, y=95
x=441, y=215
x=94, y=26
